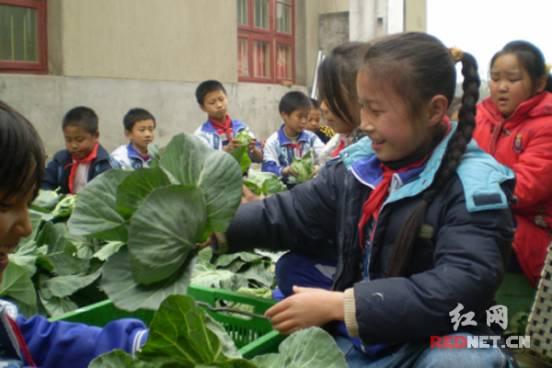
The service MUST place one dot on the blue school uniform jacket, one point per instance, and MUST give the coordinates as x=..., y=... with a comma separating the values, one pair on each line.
x=279, y=151
x=127, y=158
x=58, y=169
x=62, y=344
x=208, y=134
x=457, y=258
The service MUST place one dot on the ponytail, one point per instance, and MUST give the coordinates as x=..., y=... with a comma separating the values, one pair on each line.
x=404, y=243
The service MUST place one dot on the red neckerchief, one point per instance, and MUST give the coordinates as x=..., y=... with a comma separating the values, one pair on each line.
x=339, y=147
x=373, y=203
x=76, y=162
x=223, y=127
x=24, y=349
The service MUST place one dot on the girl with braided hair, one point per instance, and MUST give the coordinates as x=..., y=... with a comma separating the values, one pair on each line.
x=515, y=126
x=417, y=214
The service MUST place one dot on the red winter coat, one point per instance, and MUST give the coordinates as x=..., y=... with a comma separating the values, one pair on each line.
x=525, y=145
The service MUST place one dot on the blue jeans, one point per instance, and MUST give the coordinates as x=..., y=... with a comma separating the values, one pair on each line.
x=419, y=355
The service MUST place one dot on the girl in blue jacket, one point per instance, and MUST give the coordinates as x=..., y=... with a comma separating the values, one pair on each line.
x=36, y=342
x=417, y=214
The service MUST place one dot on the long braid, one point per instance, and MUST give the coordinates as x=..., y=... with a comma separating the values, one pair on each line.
x=404, y=242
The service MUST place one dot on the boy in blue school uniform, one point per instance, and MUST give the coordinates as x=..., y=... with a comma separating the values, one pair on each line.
x=139, y=127
x=83, y=157
x=291, y=141
x=219, y=130
x=35, y=341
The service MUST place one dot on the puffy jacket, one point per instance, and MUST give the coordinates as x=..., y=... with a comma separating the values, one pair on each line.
x=62, y=344
x=58, y=169
x=460, y=261
x=525, y=145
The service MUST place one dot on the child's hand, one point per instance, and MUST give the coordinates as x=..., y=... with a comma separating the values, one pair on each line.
x=232, y=145
x=288, y=170
x=307, y=307
x=248, y=195
x=255, y=152
x=217, y=241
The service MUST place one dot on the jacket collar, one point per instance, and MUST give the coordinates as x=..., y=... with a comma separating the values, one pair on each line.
x=132, y=152
x=479, y=173
x=284, y=140
x=538, y=105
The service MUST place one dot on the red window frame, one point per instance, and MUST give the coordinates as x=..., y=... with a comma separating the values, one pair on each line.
x=40, y=66
x=251, y=34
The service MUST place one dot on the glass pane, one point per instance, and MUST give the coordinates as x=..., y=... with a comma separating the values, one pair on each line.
x=18, y=33
x=243, y=61
x=283, y=62
x=283, y=18
x=261, y=59
x=242, y=12
x=261, y=14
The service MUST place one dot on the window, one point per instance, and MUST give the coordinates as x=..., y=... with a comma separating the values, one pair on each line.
x=23, y=35
x=266, y=40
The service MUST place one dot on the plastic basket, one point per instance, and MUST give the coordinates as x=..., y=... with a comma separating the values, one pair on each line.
x=516, y=293
x=252, y=335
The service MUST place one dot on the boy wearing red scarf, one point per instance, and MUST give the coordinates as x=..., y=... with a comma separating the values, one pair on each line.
x=219, y=130
x=83, y=157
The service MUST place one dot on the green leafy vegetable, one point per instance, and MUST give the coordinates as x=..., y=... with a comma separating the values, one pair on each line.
x=304, y=167
x=17, y=285
x=309, y=348
x=181, y=335
x=65, y=207
x=264, y=183
x=241, y=153
x=161, y=247
x=95, y=213
x=118, y=282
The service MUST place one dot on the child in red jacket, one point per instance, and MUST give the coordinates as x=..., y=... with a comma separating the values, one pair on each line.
x=515, y=126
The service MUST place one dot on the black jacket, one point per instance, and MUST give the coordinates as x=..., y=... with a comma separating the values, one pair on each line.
x=460, y=261
x=58, y=169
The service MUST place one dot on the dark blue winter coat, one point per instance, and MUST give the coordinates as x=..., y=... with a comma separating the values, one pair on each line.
x=58, y=169
x=458, y=258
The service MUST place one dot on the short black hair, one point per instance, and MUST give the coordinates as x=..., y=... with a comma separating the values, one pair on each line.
x=83, y=117
x=206, y=87
x=22, y=154
x=315, y=104
x=135, y=115
x=292, y=101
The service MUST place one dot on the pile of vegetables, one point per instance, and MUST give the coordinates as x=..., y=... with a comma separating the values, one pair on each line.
x=182, y=335
x=138, y=231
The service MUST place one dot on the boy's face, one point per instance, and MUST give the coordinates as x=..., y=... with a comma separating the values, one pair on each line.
x=14, y=224
x=142, y=134
x=313, y=123
x=296, y=121
x=78, y=141
x=215, y=104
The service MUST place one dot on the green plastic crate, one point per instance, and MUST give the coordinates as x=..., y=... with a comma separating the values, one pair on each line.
x=516, y=293
x=251, y=334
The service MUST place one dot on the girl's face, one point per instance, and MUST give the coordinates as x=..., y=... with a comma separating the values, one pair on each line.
x=14, y=224
x=388, y=122
x=333, y=121
x=510, y=84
